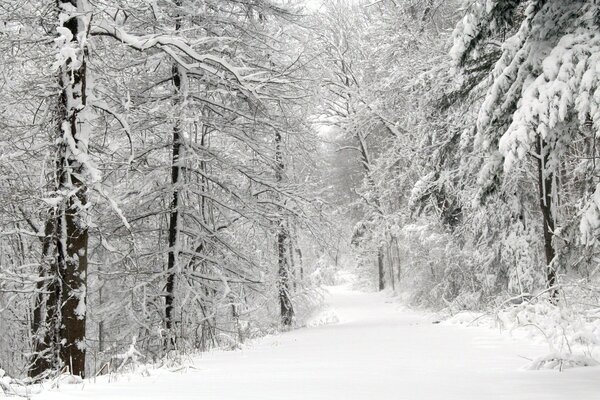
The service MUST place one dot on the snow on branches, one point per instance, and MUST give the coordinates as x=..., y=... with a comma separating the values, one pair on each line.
x=544, y=89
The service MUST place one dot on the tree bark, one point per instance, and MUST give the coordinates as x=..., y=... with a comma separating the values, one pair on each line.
x=174, y=206
x=545, y=186
x=287, y=309
x=292, y=264
x=286, y=306
x=66, y=243
x=380, y=268
x=391, y=265
x=42, y=337
x=398, y=260
x=299, y=253
x=173, y=231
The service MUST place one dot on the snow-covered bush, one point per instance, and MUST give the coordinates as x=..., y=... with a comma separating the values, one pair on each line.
x=437, y=273
x=570, y=329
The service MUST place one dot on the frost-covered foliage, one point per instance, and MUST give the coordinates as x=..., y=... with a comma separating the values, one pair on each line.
x=542, y=100
x=170, y=149
x=519, y=251
x=511, y=147
x=538, y=122
x=486, y=143
x=225, y=81
x=571, y=330
x=436, y=272
x=371, y=65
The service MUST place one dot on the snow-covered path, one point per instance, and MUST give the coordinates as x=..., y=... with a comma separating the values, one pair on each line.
x=376, y=351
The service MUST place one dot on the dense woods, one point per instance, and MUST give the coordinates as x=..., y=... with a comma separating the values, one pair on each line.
x=183, y=175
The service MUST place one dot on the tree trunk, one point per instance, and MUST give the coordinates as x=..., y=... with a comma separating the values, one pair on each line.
x=292, y=264
x=299, y=253
x=43, y=339
x=66, y=242
x=287, y=309
x=398, y=260
x=173, y=234
x=172, y=266
x=72, y=263
x=285, y=301
x=390, y=259
x=545, y=185
x=380, y=268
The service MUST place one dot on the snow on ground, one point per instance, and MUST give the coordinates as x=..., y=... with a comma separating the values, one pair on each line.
x=368, y=349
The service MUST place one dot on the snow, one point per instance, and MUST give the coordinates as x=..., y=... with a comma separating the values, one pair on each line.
x=173, y=46
x=376, y=350
x=131, y=355
x=81, y=307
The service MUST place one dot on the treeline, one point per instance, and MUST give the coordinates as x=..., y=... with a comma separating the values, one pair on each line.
x=154, y=158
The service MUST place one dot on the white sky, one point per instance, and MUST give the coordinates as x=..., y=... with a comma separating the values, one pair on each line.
x=312, y=4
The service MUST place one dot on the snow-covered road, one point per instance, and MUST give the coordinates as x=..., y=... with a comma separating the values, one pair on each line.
x=376, y=352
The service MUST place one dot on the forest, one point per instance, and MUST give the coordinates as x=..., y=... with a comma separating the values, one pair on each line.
x=179, y=177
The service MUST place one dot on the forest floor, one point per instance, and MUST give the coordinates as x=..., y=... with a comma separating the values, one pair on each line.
x=376, y=350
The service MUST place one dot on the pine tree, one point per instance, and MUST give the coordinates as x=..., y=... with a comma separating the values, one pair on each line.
x=540, y=99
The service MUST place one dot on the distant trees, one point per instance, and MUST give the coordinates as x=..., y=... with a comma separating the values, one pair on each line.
x=340, y=36
x=373, y=55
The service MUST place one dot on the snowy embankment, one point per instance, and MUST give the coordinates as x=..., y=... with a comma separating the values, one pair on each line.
x=570, y=336
x=369, y=348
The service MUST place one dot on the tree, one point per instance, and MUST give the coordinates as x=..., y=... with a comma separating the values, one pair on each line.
x=62, y=334
x=539, y=103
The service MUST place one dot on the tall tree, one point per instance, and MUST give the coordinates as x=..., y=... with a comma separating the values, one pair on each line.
x=66, y=245
x=180, y=85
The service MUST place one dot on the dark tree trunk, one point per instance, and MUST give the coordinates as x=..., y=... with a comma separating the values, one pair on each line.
x=299, y=253
x=397, y=260
x=173, y=232
x=174, y=208
x=72, y=263
x=60, y=338
x=390, y=259
x=545, y=182
x=292, y=264
x=285, y=301
x=287, y=309
x=380, y=268
x=42, y=359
